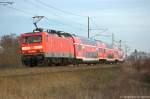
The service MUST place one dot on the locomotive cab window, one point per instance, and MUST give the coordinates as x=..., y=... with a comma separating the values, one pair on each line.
x=32, y=39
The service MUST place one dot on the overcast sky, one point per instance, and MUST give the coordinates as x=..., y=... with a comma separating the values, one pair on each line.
x=129, y=20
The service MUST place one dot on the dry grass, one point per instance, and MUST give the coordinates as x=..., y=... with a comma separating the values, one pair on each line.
x=108, y=83
x=62, y=85
x=141, y=70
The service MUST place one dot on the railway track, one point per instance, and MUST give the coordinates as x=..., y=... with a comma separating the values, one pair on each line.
x=25, y=71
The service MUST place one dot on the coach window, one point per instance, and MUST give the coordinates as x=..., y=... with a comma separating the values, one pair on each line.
x=116, y=52
x=79, y=47
x=99, y=49
x=104, y=50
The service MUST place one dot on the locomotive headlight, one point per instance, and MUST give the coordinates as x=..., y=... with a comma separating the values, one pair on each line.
x=26, y=48
x=38, y=47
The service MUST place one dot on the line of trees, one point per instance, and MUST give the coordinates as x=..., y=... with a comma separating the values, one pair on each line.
x=9, y=51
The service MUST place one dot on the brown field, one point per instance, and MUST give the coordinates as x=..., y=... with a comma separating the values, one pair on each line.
x=60, y=83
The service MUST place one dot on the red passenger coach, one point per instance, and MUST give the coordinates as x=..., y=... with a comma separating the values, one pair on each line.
x=110, y=55
x=86, y=50
x=102, y=51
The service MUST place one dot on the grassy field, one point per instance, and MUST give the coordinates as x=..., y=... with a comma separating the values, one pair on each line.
x=100, y=83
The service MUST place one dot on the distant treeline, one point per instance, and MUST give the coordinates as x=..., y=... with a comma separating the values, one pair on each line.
x=9, y=51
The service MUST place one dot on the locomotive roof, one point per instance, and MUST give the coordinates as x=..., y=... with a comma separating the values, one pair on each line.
x=84, y=40
x=87, y=41
x=109, y=45
x=59, y=33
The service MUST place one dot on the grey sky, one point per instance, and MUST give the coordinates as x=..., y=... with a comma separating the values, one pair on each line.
x=129, y=20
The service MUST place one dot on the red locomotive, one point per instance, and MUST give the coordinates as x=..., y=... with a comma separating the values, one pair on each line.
x=56, y=47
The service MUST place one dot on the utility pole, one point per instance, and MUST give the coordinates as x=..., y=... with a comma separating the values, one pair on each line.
x=88, y=27
x=126, y=51
x=120, y=43
x=113, y=38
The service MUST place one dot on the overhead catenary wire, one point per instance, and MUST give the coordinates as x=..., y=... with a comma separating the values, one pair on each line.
x=97, y=26
x=49, y=6
x=5, y=3
x=31, y=3
x=94, y=23
x=41, y=6
x=20, y=10
x=60, y=10
x=99, y=34
x=49, y=20
x=31, y=14
x=55, y=14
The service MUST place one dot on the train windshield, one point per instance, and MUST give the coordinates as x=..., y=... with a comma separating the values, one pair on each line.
x=32, y=39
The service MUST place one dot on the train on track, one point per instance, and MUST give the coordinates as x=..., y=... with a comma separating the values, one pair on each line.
x=53, y=47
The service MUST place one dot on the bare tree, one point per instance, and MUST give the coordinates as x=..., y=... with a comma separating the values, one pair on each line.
x=9, y=53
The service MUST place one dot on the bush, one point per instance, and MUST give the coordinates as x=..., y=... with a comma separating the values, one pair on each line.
x=141, y=65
